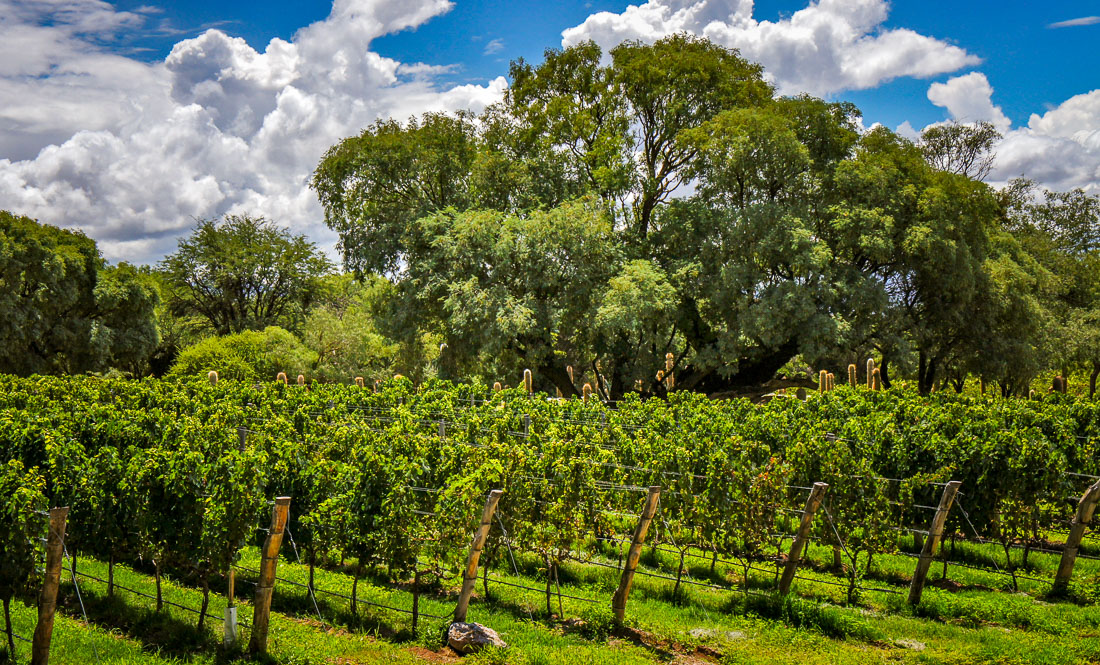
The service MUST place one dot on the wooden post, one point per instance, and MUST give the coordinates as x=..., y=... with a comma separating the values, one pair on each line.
x=47, y=598
x=800, y=538
x=932, y=541
x=266, y=586
x=1086, y=507
x=469, y=575
x=618, y=603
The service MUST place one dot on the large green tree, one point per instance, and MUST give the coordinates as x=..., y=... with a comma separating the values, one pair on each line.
x=243, y=273
x=63, y=309
x=659, y=199
x=1061, y=230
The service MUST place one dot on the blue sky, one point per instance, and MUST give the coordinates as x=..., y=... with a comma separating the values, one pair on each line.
x=130, y=119
x=1031, y=66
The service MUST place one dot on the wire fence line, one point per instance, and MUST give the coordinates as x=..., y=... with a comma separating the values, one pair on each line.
x=336, y=594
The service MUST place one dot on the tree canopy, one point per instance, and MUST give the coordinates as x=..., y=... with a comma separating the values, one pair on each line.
x=660, y=199
x=63, y=310
x=243, y=273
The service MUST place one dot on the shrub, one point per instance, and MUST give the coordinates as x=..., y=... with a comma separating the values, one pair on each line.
x=246, y=356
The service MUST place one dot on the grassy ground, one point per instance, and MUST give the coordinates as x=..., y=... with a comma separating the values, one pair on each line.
x=973, y=617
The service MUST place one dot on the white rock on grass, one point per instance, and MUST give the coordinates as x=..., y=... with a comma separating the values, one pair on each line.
x=472, y=637
x=704, y=633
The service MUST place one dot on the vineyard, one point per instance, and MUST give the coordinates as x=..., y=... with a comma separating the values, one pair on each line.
x=635, y=531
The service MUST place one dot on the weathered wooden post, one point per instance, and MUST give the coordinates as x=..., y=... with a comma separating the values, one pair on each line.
x=47, y=597
x=813, y=502
x=618, y=603
x=1086, y=508
x=469, y=575
x=261, y=615
x=932, y=541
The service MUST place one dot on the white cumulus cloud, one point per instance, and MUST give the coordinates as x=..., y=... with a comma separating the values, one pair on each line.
x=827, y=47
x=1060, y=149
x=969, y=98
x=132, y=152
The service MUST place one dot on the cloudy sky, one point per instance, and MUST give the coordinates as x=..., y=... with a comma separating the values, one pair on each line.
x=131, y=119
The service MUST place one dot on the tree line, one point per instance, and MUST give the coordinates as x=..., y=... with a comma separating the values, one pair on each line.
x=657, y=207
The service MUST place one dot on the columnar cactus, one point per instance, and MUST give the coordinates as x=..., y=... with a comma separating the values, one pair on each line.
x=871, y=373
x=213, y=376
x=301, y=380
x=822, y=381
x=496, y=386
x=281, y=378
x=528, y=381
x=586, y=391
x=876, y=379
x=359, y=381
x=852, y=380
x=569, y=371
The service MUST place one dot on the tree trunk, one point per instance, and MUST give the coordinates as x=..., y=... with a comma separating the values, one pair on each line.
x=679, y=575
x=205, y=600
x=7, y=627
x=1092, y=379
x=111, y=575
x=354, y=590
x=156, y=578
x=312, y=566
x=884, y=372
x=549, y=582
x=560, y=378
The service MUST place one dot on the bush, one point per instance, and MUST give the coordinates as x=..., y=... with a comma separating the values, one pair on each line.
x=247, y=356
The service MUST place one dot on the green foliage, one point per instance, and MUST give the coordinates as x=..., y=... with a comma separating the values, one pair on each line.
x=243, y=273
x=22, y=526
x=63, y=310
x=246, y=356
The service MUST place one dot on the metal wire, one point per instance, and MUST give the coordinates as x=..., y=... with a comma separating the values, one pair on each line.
x=337, y=594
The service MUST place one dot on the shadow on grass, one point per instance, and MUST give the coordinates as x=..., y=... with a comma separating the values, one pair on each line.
x=156, y=631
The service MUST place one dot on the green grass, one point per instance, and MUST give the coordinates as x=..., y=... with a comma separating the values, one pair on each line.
x=975, y=619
